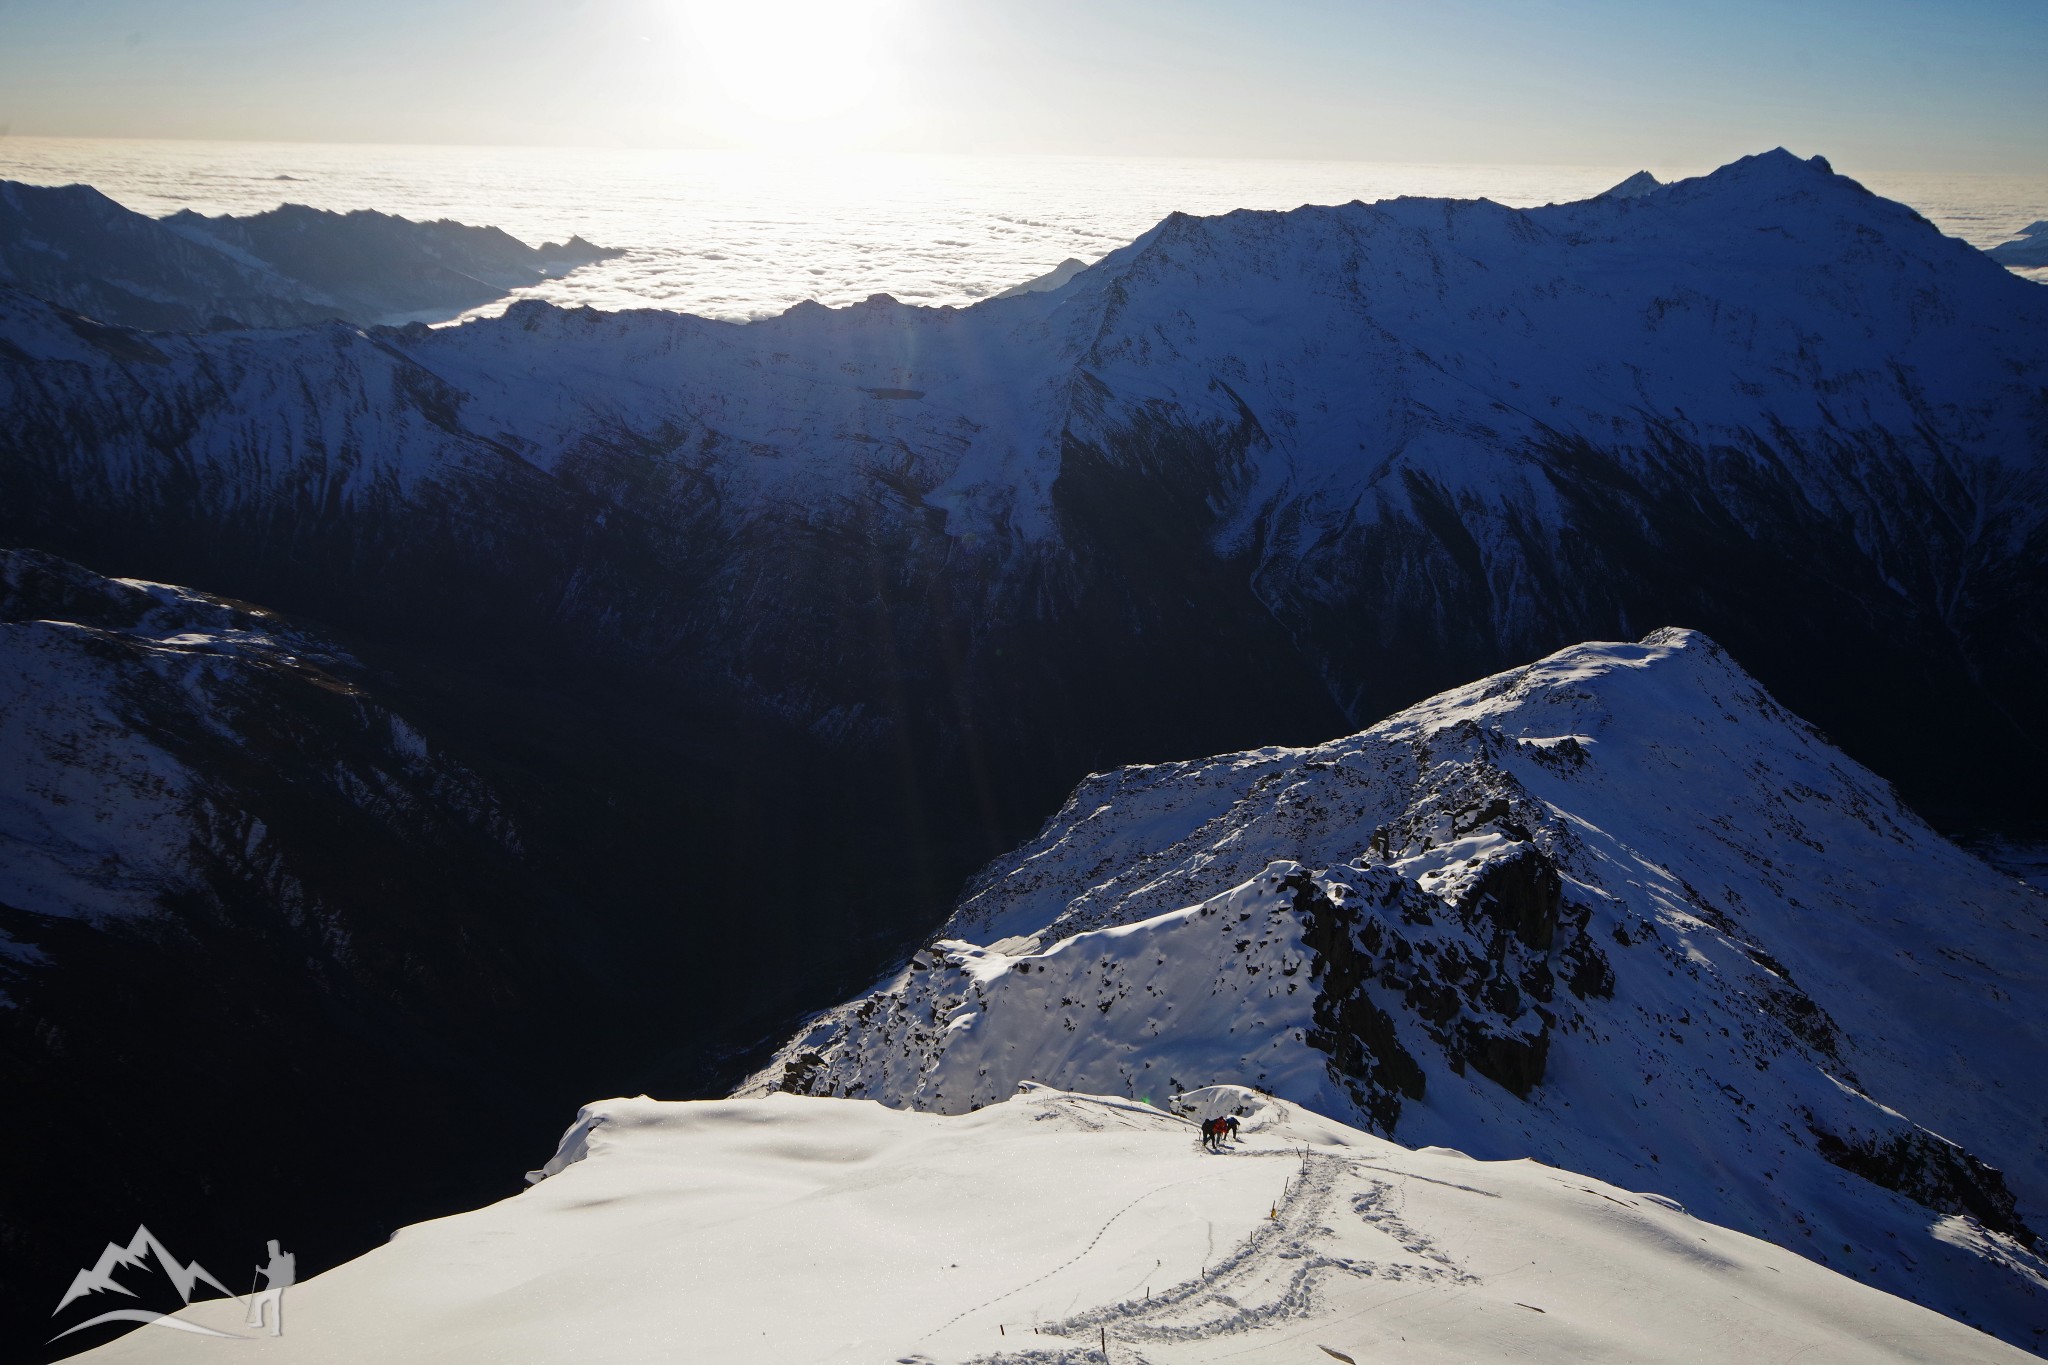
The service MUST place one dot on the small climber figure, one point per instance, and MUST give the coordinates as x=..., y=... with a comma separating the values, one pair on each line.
x=1215, y=1130
x=278, y=1277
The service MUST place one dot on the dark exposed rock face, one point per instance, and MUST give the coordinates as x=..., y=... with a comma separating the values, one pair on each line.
x=1360, y=1037
x=1929, y=1171
x=1520, y=894
x=1480, y=980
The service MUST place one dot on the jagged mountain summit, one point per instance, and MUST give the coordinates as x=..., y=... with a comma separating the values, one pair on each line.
x=1056, y=1227
x=291, y=266
x=1635, y=187
x=1617, y=909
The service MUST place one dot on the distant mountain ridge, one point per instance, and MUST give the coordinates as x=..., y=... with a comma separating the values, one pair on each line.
x=1375, y=448
x=2029, y=248
x=1617, y=906
x=291, y=266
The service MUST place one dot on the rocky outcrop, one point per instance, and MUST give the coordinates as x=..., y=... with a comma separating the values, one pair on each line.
x=1930, y=1171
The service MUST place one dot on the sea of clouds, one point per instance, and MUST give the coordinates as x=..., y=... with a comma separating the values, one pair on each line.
x=741, y=235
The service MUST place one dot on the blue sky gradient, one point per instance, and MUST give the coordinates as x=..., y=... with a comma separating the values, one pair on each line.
x=1883, y=83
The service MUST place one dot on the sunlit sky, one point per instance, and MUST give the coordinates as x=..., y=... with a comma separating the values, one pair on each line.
x=1886, y=83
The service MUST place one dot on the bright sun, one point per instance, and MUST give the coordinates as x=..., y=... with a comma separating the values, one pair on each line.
x=795, y=74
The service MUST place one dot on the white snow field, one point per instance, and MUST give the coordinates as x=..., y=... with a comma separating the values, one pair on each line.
x=804, y=1230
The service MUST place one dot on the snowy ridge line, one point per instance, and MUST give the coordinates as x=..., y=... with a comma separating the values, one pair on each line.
x=1618, y=909
x=642, y=1250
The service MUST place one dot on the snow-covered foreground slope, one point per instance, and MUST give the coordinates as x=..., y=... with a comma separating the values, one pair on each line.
x=1617, y=910
x=1048, y=1228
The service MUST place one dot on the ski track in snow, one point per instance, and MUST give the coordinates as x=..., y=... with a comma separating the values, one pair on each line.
x=1073, y=1260
x=662, y=1234
x=1226, y=1299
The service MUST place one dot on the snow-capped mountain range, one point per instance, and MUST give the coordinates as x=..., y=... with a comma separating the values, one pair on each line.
x=1617, y=910
x=1307, y=466
x=290, y=266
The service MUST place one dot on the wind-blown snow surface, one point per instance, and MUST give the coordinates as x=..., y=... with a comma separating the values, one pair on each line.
x=1616, y=910
x=1036, y=1230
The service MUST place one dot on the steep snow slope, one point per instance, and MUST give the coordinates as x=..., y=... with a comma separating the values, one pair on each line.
x=1617, y=909
x=1050, y=1226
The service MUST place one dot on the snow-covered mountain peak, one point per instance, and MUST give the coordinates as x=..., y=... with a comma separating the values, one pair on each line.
x=1634, y=187
x=1617, y=906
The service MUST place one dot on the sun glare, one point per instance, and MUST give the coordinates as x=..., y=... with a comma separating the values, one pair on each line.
x=795, y=74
